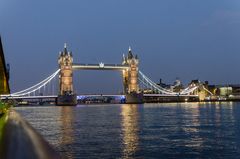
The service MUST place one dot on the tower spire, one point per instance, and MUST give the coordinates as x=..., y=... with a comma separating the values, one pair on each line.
x=65, y=49
x=130, y=55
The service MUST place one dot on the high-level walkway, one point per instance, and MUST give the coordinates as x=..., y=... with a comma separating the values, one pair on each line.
x=100, y=66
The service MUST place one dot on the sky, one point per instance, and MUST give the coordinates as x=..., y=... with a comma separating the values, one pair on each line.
x=188, y=39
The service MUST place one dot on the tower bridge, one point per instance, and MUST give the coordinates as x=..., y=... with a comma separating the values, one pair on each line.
x=129, y=68
x=134, y=81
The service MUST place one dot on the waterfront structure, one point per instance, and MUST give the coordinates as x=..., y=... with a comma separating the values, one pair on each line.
x=227, y=91
x=130, y=75
x=224, y=90
x=201, y=90
x=132, y=78
x=129, y=68
x=65, y=61
x=4, y=73
x=66, y=94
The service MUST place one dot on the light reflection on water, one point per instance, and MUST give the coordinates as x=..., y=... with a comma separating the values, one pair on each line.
x=130, y=129
x=65, y=121
x=186, y=130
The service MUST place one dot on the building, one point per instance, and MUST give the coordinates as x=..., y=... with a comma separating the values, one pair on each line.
x=175, y=87
x=225, y=90
x=4, y=73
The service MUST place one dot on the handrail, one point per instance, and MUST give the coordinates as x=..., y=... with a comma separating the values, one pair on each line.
x=21, y=141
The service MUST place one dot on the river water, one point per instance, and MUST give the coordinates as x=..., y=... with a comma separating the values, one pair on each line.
x=183, y=130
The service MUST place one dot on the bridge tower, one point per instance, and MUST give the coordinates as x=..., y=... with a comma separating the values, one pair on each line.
x=66, y=94
x=130, y=79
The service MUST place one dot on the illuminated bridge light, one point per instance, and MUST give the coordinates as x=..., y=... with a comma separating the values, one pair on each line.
x=101, y=65
x=122, y=97
x=80, y=97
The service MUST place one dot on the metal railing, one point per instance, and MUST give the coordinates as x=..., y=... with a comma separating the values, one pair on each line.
x=21, y=141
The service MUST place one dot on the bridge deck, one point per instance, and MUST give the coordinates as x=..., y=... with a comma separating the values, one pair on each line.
x=27, y=97
x=92, y=95
x=166, y=95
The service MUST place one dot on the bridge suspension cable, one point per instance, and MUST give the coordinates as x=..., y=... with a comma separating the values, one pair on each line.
x=36, y=87
x=189, y=90
x=142, y=78
x=207, y=90
x=153, y=86
x=149, y=83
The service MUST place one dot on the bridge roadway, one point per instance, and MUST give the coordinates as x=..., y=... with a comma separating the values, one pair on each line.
x=93, y=95
x=100, y=66
x=28, y=97
x=146, y=95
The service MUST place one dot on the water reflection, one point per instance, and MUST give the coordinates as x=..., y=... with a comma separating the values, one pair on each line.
x=222, y=112
x=130, y=129
x=67, y=132
x=186, y=130
x=193, y=123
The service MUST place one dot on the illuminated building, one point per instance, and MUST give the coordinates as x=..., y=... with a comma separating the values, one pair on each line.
x=4, y=73
x=130, y=78
x=66, y=95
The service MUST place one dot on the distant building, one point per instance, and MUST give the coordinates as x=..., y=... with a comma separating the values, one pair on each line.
x=202, y=89
x=235, y=89
x=163, y=85
x=175, y=87
x=225, y=90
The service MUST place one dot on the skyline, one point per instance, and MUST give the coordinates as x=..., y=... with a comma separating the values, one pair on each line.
x=189, y=40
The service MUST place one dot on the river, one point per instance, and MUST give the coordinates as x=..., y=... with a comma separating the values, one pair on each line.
x=166, y=130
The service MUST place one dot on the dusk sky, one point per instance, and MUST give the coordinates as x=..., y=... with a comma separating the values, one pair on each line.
x=189, y=39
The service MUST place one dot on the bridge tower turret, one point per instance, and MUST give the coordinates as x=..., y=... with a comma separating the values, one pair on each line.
x=65, y=61
x=130, y=78
x=66, y=94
